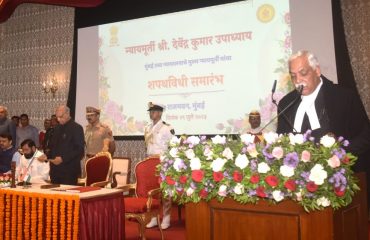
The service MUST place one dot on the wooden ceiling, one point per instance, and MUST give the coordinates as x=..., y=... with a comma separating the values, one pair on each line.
x=7, y=7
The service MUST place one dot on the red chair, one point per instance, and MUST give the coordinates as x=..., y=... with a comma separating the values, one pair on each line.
x=98, y=170
x=147, y=200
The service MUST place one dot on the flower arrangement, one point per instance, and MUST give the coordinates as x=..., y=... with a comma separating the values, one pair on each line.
x=315, y=175
x=5, y=180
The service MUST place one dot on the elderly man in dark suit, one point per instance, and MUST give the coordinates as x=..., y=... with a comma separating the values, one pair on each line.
x=68, y=149
x=323, y=107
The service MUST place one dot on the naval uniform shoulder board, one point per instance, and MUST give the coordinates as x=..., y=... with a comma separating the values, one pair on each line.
x=172, y=130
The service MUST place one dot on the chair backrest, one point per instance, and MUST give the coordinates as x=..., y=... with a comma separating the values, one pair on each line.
x=98, y=168
x=122, y=165
x=146, y=178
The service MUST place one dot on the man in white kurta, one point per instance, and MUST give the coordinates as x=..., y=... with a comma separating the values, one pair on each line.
x=33, y=166
x=157, y=136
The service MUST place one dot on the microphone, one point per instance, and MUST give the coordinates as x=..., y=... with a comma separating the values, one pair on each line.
x=299, y=89
x=273, y=92
x=274, y=87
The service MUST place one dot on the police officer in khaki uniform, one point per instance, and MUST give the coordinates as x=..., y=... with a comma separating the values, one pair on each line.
x=157, y=136
x=98, y=136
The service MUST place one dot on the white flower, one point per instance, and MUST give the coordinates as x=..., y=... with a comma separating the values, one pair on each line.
x=299, y=195
x=218, y=139
x=334, y=161
x=286, y=171
x=227, y=153
x=252, y=150
x=241, y=161
x=318, y=174
x=173, y=152
x=162, y=158
x=296, y=139
x=323, y=201
x=175, y=141
x=327, y=141
x=247, y=138
x=263, y=167
x=222, y=190
x=239, y=189
x=218, y=164
x=189, y=191
x=190, y=153
x=194, y=140
x=270, y=137
x=177, y=165
x=277, y=195
x=208, y=153
x=195, y=164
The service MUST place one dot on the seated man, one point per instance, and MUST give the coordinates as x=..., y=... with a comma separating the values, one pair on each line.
x=32, y=166
x=7, y=151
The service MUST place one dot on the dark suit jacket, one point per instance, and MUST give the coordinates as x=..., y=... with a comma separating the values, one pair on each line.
x=339, y=110
x=67, y=142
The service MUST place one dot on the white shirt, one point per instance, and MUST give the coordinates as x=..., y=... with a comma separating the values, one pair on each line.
x=38, y=171
x=308, y=106
x=157, y=138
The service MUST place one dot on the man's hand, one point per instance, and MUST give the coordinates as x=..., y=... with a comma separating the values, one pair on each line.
x=42, y=158
x=56, y=161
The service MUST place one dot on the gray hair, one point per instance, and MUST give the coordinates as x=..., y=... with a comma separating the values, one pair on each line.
x=311, y=58
x=65, y=109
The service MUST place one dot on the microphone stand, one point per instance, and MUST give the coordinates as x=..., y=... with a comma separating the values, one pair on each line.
x=299, y=90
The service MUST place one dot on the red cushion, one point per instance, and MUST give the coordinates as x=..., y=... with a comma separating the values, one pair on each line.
x=97, y=169
x=138, y=205
x=146, y=178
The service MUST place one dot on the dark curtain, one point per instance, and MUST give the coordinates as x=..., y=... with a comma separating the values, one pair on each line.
x=71, y=102
x=343, y=63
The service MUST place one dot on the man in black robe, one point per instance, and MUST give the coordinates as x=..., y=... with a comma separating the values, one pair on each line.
x=68, y=149
x=325, y=108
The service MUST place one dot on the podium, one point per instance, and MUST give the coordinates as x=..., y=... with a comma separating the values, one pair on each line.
x=286, y=220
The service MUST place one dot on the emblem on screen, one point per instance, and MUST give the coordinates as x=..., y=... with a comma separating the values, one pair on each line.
x=265, y=13
x=113, y=36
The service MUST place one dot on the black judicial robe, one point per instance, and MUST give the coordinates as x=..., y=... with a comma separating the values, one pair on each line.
x=67, y=142
x=340, y=111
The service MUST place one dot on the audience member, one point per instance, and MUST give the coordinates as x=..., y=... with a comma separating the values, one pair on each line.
x=49, y=134
x=42, y=133
x=15, y=119
x=7, y=125
x=7, y=151
x=27, y=131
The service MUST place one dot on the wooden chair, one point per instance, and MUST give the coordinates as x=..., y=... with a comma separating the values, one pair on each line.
x=98, y=170
x=147, y=200
x=121, y=171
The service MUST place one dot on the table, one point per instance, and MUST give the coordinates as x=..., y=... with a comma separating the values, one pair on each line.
x=36, y=213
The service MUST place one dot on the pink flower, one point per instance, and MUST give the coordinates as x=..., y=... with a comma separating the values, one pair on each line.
x=220, y=126
x=277, y=152
x=305, y=156
x=287, y=18
x=238, y=124
x=334, y=161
